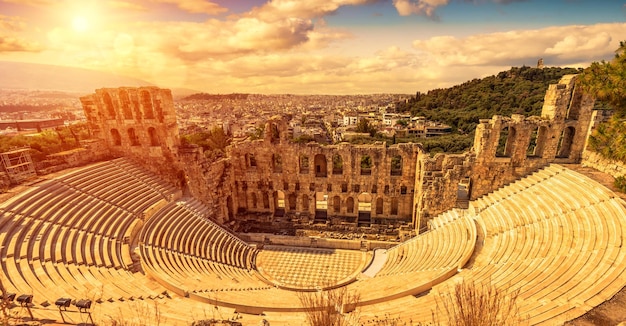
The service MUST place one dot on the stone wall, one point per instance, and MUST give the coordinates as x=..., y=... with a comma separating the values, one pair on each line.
x=343, y=183
x=139, y=123
x=336, y=183
x=507, y=149
x=596, y=161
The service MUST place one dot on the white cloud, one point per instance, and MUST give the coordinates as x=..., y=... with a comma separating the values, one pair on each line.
x=196, y=6
x=560, y=45
x=418, y=7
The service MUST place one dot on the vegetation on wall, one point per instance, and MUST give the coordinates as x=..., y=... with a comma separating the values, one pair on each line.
x=606, y=80
x=519, y=90
x=46, y=142
x=213, y=142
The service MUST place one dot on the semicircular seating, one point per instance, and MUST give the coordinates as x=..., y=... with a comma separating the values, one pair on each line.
x=556, y=237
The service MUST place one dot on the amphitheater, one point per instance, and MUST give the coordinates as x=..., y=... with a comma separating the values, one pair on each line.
x=154, y=247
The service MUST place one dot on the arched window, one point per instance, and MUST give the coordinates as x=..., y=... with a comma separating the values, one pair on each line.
x=250, y=160
x=396, y=165
x=125, y=102
x=366, y=165
x=117, y=138
x=266, y=200
x=280, y=199
x=565, y=142
x=321, y=201
x=154, y=139
x=505, y=142
x=321, y=169
x=532, y=143
x=379, y=206
x=350, y=205
x=146, y=104
x=292, y=201
x=365, y=202
x=394, y=206
x=304, y=164
x=132, y=136
x=336, y=204
x=305, y=203
x=337, y=164
x=254, y=200
x=277, y=163
x=108, y=104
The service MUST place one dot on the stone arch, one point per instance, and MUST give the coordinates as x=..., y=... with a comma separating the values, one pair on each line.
x=366, y=165
x=132, y=136
x=364, y=207
x=305, y=203
x=365, y=202
x=280, y=199
x=321, y=169
x=394, y=206
x=266, y=200
x=505, y=142
x=531, y=150
x=337, y=164
x=291, y=200
x=117, y=138
x=336, y=204
x=304, y=164
x=565, y=142
x=146, y=103
x=379, y=206
x=125, y=102
x=396, y=165
x=250, y=160
x=350, y=205
x=542, y=139
x=277, y=163
x=321, y=206
x=154, y=138
x=254, y=200
x=108, y=104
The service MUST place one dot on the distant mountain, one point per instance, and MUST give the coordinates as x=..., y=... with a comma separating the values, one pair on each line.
x=18, y=75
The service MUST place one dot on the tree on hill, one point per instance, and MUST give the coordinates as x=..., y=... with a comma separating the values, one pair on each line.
x=606, y=81
x=519, y=90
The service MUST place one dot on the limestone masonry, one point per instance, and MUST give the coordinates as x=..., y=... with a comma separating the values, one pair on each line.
x=354, y=185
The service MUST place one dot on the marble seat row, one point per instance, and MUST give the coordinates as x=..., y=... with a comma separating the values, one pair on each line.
x=183, y=248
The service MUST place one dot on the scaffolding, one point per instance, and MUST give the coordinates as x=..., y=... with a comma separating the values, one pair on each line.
x=18, y=164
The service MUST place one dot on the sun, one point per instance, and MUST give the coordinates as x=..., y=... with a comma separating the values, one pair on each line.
x=80, y=24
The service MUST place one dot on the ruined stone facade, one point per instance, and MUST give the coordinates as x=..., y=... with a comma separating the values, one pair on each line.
x=346, y=184
x=136, y=122
x=506, y=149
x=337, y=183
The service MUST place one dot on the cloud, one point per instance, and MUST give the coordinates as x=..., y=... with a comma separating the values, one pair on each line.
x=12, y=44
x=418, y=7
x=196, y=6
x=11, y=23
x=30, y=2
x=560, y=45
x=280, y=9
x=125, y=5
x=428, y=7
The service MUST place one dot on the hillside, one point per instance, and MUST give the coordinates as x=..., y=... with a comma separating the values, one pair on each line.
x=519, y=90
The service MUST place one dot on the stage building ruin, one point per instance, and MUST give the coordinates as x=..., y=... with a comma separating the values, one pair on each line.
x=355, y=185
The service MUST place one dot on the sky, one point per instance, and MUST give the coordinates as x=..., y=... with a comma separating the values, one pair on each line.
x=310, y=46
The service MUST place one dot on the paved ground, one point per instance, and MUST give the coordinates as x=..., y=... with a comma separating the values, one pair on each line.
x=309, y=268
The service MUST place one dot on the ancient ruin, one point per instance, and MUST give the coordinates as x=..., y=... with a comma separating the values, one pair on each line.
x=155, y=224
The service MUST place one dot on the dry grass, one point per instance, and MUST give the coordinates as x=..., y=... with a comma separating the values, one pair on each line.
x=143, y=314
x=475, y=304
x=326, y=308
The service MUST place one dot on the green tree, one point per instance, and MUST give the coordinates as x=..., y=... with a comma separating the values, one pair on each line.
x=606, y=80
